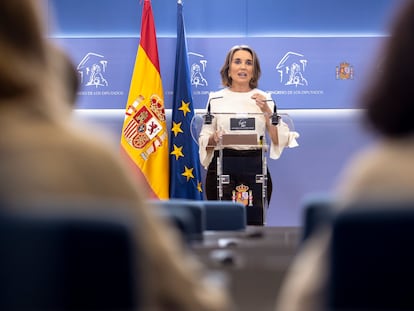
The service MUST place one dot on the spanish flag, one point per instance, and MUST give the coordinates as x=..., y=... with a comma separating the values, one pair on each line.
x=144, y=141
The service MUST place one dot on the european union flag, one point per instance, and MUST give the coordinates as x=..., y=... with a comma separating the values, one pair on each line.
x=185, y=171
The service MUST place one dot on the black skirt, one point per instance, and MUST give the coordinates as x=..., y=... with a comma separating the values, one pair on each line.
x=242, y=167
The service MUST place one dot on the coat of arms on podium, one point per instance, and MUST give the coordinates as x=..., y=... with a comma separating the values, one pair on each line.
x=243, y=195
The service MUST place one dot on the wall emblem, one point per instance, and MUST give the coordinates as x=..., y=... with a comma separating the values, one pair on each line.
x=292, y=69
x=92, y=70
x=344, y=71
x=197, y=69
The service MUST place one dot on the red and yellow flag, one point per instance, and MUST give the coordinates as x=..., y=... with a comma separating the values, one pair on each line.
x=144, y=139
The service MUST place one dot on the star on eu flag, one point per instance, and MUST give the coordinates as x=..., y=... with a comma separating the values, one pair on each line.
x=176, y=128
x=185, y=107
x=178, y=152
x=188, y=172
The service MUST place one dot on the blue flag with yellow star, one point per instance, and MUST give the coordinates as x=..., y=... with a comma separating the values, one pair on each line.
x=185, y=171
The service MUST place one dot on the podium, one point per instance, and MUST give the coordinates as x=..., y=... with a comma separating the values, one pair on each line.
x=242, y=174
x=238, y=171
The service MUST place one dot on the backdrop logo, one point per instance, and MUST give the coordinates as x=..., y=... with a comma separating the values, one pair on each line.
x=92, y=70
x=344, y=71
x=197, y=69
x=292, y=69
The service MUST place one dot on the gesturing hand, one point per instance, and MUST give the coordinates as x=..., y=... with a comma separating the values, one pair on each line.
x=261, y=102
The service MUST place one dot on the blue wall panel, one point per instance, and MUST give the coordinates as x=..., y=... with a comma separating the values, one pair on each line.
x=224, y=18
x=318, y=83
x=325, y=32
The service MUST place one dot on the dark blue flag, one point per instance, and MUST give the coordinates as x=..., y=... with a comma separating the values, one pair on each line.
x=185, y=171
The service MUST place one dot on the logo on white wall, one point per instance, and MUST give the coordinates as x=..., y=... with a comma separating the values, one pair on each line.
x=92, y=70
x=197, y=69
x=292, y=69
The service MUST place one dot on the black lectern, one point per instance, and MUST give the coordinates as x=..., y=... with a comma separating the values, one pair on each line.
x=238, y=170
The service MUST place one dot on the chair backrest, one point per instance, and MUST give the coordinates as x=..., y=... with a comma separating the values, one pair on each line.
x=67, y=261
x=316, y=214
x=225, y=215
x=372, y=258
x=188, y=216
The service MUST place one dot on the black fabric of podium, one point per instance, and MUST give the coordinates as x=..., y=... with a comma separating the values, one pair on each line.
x=242, y=166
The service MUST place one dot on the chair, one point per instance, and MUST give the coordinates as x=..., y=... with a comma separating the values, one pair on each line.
x=317, y=213
x=67, y=260
x=225, y=216
x=372, y=257
x=188, y=216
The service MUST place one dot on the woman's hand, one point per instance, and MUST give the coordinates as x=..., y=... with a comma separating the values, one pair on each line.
x=215, y=138
x=261, y=102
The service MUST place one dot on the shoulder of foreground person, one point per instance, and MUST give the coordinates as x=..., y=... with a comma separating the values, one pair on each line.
x=303, y=287
x=175, y=279
x=377, y=170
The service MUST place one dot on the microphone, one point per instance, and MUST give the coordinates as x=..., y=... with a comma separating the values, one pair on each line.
x=208, y=118
x=274, y=117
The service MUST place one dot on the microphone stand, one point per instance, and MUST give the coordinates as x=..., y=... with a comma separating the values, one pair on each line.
x=208, y=118
x=274, y=117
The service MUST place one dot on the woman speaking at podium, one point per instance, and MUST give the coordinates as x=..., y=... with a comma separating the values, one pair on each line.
x=241, y=108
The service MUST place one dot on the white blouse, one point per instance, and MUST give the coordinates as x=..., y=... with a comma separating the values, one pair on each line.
x=229, y=109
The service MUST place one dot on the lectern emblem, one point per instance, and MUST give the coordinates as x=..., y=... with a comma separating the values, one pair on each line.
x=243, y=195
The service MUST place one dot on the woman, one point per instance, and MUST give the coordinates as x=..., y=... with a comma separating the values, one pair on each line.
x=240, y=76
x=44, y=156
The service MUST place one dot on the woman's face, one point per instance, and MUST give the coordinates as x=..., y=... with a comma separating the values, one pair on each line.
x=241, y=68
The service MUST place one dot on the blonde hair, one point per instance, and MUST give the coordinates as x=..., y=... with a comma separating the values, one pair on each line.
x=22, y=47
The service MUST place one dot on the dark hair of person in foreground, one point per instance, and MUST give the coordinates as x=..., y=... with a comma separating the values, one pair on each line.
x=389, y=101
